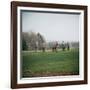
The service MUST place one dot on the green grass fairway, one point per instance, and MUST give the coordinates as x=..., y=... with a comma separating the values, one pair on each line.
x=41, y=64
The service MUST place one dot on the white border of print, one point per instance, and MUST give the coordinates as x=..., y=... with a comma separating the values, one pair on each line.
x=53, y=78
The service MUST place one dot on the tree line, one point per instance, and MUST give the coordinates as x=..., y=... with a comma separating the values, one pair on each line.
x=32, y=41
x=36, y=41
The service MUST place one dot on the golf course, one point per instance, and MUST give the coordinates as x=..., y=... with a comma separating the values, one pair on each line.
x=43, y=64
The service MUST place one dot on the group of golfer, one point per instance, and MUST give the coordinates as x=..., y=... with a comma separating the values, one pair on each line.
x=56, y=46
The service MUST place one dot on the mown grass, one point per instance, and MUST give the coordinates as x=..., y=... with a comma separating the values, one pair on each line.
x=40, y=64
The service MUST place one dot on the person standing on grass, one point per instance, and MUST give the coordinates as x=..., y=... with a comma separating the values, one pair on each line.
x=55, y=45
x=68, y=46
x=63, y=46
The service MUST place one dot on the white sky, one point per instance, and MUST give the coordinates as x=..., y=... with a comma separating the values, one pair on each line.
x=54, y=27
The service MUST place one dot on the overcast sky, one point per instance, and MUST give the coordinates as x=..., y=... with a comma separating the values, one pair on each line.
x=54, y=27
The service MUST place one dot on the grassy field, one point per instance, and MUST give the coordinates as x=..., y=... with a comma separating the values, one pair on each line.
x=41, y=64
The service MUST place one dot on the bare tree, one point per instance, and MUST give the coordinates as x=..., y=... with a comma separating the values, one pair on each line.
x=34, y=40
x=41, y=41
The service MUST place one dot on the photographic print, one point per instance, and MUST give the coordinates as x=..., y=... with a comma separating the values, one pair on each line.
x=49, y=44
